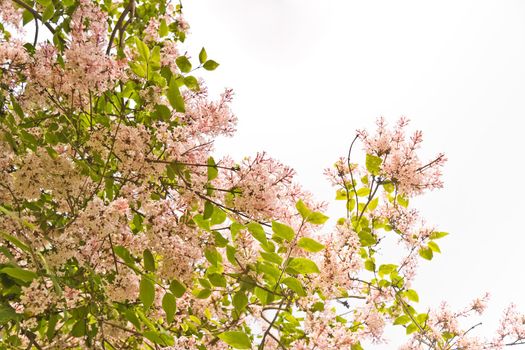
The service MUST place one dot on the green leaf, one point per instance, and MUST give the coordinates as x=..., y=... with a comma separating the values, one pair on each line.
x=310, y=245
x=270, y=270
x=240, y=300
x=317, y=218
x=16, y=242
x=438, y=235
x=237, y=340
x=44, y=2
x=218, y=217
x=202, y=293
x=138, y=68
x=262, y=295
x=213, y=256
x=373, y=204
x=169, y=304
x=205, y=283
x=192, y=83
x=386, y=269
x=7, y=313
x=177, y=288
x=124, y=254
x=356, y=346
x=143, y=49
x=370, y=265
x=16, y=107
x=373, y=164
x=366, y=238
x=257, y=232
x=422, y=318
x=163, y=28
x=235, y=228
x=220, y=241
x=210, y=65
x=402, y=200
x=184, y=64
x=403, y=319
x=20, y=274
x=155, y=58
x=212, y=169
x=283, y=231
x=412, y=295
x=389, y=187
x=159, y=338
x=363, y=192
x=303, y=266
x=411, y=328
x=146, y=291
x=303, y=209
x=230, y=254
x=174, y=96
x=51, y=324
x=426, y=253
x=149, y=260
x=271, y=257
x=295, y=285
x=433, y=245
x=130, y=315
x=217, y=280
x=26, y=17
x=208, y=210
x=79, y=328
x=49, y=11
x=203, y=56
x=341, y=194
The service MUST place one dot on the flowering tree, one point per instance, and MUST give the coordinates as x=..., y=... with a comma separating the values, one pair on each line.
x=119, y=230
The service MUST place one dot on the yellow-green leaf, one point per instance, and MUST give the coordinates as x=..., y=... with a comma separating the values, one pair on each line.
x=236, y=339
x=283, y=231
x=310, y=245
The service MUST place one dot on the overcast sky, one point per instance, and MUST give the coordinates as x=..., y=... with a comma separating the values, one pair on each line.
x=308, y=73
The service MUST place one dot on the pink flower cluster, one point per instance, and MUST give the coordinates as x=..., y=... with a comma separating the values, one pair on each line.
x=9, y=14
x=13, y=59
x=262, y=188
x=400, y=162
x=86, y=69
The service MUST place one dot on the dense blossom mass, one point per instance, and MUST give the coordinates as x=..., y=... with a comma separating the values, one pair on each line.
x=120, y=230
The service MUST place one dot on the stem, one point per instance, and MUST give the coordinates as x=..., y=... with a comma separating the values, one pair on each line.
x=421, y=169
x=118, y=26
x=352, y=175
x=367, y=203
x=35, y=14
x=36, y=32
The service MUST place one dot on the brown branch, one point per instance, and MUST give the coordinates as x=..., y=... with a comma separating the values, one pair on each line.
x=113, y=253
x=189, y=164
x=426, y=166
x=118, y=26
x=352, y=175
x=35, y=14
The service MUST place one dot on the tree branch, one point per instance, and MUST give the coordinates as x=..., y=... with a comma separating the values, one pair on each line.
x=35, y=14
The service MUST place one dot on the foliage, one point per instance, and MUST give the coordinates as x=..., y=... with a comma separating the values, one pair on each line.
x=121, y=231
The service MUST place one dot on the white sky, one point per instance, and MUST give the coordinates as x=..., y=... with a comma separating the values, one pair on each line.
x=308, y=73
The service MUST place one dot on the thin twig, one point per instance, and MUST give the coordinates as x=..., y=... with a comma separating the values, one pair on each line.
x=352, y=175
x=36, y=32
x=118, y=26
x=35, y=14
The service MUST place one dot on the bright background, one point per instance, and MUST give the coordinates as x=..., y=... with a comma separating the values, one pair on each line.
x=308, y=73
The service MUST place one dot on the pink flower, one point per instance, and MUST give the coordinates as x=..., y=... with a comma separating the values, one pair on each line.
x=400, y=163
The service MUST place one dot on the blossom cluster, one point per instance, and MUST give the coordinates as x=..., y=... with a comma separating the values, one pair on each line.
x=401, y=164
